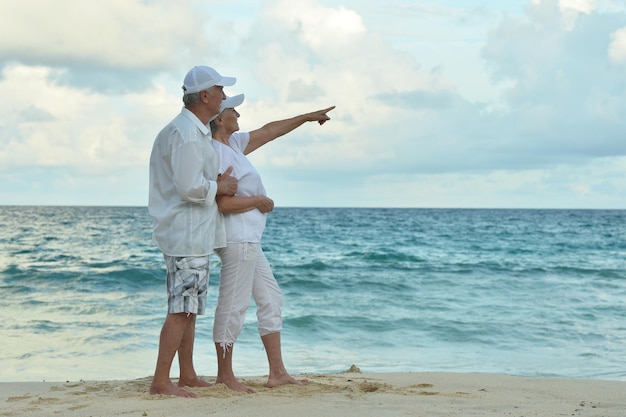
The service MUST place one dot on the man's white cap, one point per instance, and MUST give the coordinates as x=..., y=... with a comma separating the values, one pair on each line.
x=231, y=102
x=202, y=77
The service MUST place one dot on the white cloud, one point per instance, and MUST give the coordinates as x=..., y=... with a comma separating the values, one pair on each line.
x=572, y=8
x=356, y=71
x=122, y=34
x=84, y=110
x=617, y=47
x=320, y=28
x=583, y=6
x=84, y=132
x=571, y=113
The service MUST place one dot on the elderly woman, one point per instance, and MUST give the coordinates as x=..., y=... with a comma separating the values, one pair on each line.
x=245, y=270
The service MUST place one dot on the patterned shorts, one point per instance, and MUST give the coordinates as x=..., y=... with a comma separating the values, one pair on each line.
x=187, y=284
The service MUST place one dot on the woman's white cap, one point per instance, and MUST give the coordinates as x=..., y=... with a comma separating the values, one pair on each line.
x=231, y=102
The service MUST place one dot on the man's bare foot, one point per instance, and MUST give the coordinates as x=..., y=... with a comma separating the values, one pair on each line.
x=235, y=385
x=170, y=389
x=285, y=379
x=193, y=382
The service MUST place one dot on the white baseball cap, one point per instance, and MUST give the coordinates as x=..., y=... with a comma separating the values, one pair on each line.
x=231, y=102
x=202, y=77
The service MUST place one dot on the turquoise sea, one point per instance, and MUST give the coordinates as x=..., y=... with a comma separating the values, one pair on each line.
x=521, y=292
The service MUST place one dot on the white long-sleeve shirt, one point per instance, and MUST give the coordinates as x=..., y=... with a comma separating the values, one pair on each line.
x=183, y=175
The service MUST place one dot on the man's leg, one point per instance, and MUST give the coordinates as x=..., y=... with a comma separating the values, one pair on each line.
x=188, y=376
x=187, y=283
x=172, y=332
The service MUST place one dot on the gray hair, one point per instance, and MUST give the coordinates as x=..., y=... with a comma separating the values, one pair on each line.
x=213, y=125
x=192, y=99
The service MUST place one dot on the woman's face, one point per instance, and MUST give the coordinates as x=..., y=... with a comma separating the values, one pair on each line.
x=229, y=119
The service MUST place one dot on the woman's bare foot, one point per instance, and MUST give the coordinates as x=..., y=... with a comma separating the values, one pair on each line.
x=170, y=389
x=194, y=382
x=285, y=379
x=235, y=385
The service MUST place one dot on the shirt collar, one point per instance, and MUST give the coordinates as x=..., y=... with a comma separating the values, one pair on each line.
x=201, y=126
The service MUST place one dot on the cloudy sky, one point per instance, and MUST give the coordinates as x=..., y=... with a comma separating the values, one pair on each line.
x=440, y=103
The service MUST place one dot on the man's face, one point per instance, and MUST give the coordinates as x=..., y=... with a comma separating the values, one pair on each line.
x=214, y=97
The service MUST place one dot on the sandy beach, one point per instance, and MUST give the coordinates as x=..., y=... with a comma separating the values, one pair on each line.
x=342, y=394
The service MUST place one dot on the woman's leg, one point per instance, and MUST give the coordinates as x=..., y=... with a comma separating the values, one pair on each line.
x=268, y=297
x=236, y=278
x=225, y=374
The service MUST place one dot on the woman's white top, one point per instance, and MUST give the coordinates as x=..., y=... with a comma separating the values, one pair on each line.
x=247, y=226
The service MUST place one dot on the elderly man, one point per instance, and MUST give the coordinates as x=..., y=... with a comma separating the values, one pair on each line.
x=184, y=183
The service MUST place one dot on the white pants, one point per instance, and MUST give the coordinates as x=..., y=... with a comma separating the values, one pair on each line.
x=245, y=273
